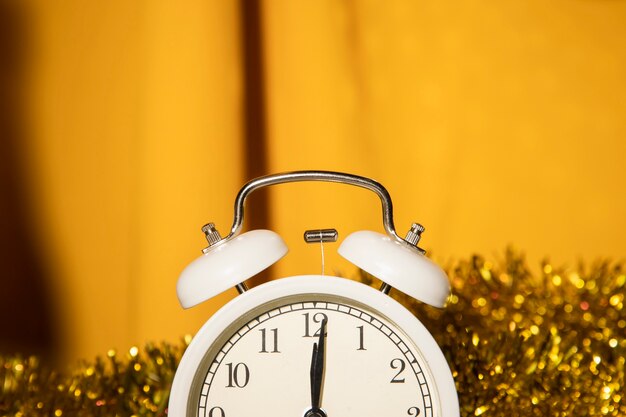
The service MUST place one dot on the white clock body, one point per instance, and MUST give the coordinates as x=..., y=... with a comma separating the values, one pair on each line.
x=253, y=357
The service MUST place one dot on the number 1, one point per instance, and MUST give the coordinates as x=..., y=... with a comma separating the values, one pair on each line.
x=360, y=338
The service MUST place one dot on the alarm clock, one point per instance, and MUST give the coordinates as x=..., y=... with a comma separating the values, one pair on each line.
x=313, y=345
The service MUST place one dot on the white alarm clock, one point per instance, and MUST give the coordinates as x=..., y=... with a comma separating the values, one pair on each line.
x=313, y=345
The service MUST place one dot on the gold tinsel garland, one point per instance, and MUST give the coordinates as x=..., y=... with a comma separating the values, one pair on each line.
x=517, y=344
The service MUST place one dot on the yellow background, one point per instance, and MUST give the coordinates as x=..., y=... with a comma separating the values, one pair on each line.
x=490, y=122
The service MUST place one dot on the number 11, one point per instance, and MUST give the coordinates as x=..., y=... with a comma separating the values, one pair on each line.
x=263, y=343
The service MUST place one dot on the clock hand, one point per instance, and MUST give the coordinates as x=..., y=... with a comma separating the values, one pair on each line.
x=317, y=374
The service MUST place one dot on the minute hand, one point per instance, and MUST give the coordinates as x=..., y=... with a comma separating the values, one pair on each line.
x=317, y=370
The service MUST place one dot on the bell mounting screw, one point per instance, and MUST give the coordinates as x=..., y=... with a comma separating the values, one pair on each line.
x=211, y=234
x=213, y=237
x=414, y=234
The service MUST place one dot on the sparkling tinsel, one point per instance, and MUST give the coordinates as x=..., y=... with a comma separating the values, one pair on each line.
x=518, y=344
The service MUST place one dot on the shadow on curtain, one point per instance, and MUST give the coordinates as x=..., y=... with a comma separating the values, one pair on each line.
x=26, y=320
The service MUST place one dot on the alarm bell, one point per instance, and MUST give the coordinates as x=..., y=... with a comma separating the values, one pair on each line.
x=229, y=261
x=397, y=265
x=227, y=264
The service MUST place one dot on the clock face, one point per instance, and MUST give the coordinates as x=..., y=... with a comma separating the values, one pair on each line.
x=260, y=364
x=257, y=356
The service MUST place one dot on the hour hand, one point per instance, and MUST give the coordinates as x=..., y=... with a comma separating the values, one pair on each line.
x=317, y=374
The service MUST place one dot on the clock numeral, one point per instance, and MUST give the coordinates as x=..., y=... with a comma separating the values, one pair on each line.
x=414, y=411
x=317, y=318
x=395, y=364
x=360, y=338
x=217, y=412
x=263, y=342
x=238, y=375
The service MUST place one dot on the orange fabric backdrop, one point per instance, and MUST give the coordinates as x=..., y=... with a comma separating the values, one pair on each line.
x=492, y=123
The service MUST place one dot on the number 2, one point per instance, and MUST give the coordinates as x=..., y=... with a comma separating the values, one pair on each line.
x=394, y=365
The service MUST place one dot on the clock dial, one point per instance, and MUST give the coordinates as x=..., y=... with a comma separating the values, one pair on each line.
x=262, y=364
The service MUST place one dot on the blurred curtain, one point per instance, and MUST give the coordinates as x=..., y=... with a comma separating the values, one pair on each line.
x=135, y=137
x=491, y=123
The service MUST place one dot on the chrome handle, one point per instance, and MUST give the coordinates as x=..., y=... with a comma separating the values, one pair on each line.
x=325, y=176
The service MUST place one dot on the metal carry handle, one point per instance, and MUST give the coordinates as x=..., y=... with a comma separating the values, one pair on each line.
x=325, y=176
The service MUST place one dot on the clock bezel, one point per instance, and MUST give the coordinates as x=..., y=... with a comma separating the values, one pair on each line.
x=245, y=306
